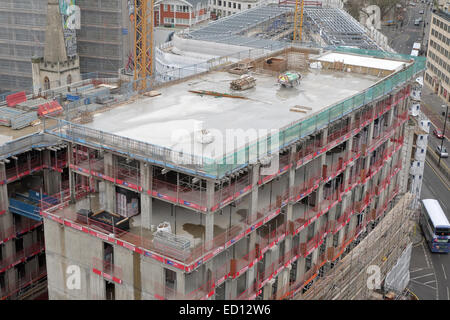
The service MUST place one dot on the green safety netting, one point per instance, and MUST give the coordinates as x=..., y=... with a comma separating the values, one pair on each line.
x=305, y=127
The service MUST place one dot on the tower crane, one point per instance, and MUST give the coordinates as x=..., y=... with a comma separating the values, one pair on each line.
x=298, y=20
x=143, y=42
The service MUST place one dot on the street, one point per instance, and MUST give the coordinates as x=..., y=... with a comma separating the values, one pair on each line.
x=429, y=272
x=403, y=38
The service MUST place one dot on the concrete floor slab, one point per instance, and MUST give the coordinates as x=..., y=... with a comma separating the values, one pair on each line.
x=170, y=119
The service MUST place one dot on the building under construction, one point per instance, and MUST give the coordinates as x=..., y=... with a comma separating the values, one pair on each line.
x=156, y=209
x=248, y=180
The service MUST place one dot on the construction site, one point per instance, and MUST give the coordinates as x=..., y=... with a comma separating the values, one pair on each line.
x=279, y=173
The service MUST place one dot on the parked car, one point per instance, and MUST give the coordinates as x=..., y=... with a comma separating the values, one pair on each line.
x=421, y=12
x=438, y=134
x=443, y=153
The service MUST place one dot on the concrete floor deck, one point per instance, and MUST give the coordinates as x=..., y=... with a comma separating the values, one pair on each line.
x=170, y=119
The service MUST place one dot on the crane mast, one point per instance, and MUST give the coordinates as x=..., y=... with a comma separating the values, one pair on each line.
x=298, y=20
x=143, y=42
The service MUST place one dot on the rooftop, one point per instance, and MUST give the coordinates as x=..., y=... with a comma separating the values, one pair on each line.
x=187, y=130
x=170, y=119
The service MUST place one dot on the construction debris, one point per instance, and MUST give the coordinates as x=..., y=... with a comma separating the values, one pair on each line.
x=243, y=83
x=301, y=109
x=216, y=94
x=294, y=109
x=152, y=93
x=243, y=67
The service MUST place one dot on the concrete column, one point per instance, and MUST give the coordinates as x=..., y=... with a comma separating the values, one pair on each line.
x=146, y=199
x=52, y=178
x=31, y=266
x=347, y=172
x=315, y=253
x=251, y=273
x=350, y=140
x=352, y=223
x=346, y=202
x=209, y=230
x=71, y=161
x=9, y=250
x=267, y=259
x=390, y=118
x=324, y=137
x=289, y=212
x=331, y=217
x=181, y=282
x=110, y=188
x=283, y=282
x=6, y=222
x=301, y=266
x=4, y=203
x=254, y=193
x=230, y=289
x=6, y=219
x=267, y=291
x=301, y=260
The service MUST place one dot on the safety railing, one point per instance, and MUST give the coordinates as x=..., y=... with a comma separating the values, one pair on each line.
x=17, y=230
x=306, y=187
x=23, y=169
x=21, y=256
x=196, y=198
x=337, y=134
x=217, y=241
x=107, y=269
x=23, y=284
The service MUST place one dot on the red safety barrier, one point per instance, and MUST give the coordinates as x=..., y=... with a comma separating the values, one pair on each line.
x=14, y=99
x=48, y=108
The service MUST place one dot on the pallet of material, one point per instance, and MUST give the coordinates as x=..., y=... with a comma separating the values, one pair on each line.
x=100, y=92
x=16, y=118
x=16, y=98
x=32, y=105
x=84, y=88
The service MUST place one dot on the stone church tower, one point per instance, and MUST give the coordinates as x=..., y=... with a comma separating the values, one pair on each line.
x=55, y=68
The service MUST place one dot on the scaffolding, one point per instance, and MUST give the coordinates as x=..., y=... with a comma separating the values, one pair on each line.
x=338, y=28
x=22, y=36
x=381, y=247
x=101, y=41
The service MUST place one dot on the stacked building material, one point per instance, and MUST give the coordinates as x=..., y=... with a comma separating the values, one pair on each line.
x=16, y=98
x=175, y=246
x=243, y=83
x=16, y=118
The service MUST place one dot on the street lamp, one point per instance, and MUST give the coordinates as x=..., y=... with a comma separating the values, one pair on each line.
x=443, y=135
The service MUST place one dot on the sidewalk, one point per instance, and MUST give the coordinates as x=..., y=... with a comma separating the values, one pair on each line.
x=431, y=107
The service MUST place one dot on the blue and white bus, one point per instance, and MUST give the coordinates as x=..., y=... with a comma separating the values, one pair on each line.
x=435, y=226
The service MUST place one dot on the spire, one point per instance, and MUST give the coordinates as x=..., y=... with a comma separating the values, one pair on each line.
x=55, y=47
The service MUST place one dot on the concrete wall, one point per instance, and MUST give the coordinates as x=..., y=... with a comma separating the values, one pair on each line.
x=65, y=247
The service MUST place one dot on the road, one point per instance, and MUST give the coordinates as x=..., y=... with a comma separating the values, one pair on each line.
x=429, y=273
x=403, y=38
